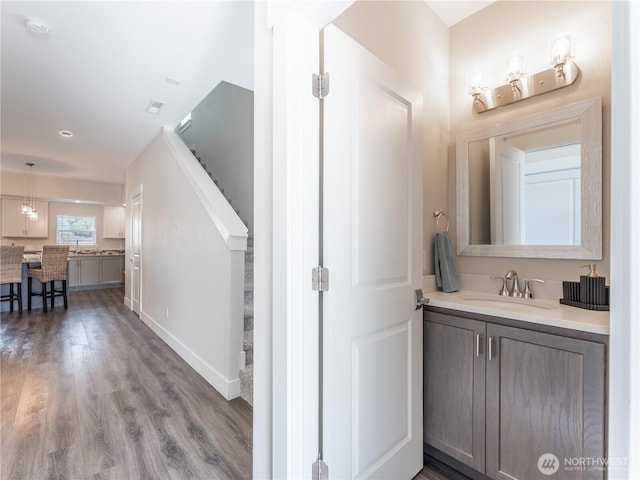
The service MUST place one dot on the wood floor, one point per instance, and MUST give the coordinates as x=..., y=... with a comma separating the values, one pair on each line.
x=92, y=393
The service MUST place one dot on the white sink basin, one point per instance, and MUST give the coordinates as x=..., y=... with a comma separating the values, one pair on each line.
x=500, y=301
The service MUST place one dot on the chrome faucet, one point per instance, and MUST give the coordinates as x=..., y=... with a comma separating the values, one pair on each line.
x=514, y=291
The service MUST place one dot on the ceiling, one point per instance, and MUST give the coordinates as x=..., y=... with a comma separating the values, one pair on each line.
x=453, y=11
x=99, y=69
x=105, y=61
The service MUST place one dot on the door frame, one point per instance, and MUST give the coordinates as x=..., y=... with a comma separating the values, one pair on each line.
x=286, y=179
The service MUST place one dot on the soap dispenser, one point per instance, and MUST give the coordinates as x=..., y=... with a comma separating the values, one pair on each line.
x=592, y=287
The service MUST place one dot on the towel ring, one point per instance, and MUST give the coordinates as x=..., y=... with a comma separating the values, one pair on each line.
x=438, y=214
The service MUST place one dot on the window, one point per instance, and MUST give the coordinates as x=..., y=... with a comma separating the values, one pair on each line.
x=72, y=230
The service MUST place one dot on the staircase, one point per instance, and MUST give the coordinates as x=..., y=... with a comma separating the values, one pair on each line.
x=204, y=166
x=246, y=375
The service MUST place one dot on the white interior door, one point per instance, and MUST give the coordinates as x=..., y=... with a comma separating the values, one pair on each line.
x=372, y=242
x=136, y=248
x=507, y=192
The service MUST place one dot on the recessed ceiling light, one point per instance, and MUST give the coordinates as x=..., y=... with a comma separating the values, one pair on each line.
x=65, y=133
x=154, y=106
x=37, y=28
x=173, y=81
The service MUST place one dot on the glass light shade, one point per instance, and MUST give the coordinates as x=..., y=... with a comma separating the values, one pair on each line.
x=34, y=214
x=26, y=209
x=476, y=83
x=515, y=68
x=561, y=50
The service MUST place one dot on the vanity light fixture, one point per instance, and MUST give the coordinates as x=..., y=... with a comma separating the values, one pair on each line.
x=562, y=73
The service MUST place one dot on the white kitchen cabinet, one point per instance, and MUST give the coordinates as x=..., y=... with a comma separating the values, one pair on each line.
x=16, y=225
x=113, y=222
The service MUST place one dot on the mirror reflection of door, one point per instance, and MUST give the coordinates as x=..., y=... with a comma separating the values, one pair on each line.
x=535, y=194
x=507, y=192
x=552, y=196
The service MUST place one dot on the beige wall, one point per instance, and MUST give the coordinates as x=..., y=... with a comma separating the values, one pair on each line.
x=482, y=42
x=55, y=189
x=412, y=39
x=49, y=187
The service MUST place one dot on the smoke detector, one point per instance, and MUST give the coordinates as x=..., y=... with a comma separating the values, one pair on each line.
x=37, y=28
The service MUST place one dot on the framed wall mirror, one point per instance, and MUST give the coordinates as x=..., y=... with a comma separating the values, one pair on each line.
x=533, y=187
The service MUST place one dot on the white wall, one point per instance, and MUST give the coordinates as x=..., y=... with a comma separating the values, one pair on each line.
x=188, y=268
x=221, y=132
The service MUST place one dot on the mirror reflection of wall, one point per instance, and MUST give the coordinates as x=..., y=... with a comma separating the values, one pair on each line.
x=525, y=188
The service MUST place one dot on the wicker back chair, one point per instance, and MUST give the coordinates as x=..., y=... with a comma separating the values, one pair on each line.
x=54, y=268
x=11, y=273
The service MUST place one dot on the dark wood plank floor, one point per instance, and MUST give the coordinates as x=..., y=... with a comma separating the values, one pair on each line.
x=92, y=393
x=435, y=470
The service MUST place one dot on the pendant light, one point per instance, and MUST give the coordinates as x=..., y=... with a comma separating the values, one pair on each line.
x=28, y=206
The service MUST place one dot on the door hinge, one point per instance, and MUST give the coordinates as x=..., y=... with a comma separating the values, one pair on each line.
x=319, y=470
x=320, y=279
x=320, y=85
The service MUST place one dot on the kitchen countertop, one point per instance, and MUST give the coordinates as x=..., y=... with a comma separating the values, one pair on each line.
x=37, y=256
x=547, y=312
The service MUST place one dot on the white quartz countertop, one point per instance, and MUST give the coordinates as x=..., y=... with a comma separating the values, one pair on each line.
x=540, y=311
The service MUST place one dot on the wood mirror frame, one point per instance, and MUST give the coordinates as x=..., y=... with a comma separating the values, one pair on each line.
x=589, y=114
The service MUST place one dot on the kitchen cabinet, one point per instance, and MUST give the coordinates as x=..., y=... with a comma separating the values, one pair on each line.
x=112, y=270
x=497, y=397
x=113, y=222
x=83, y=271
x=17, y=225
x=95, y=271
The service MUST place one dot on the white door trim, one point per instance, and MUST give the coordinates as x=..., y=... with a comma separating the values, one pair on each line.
x=285, y=336
x=624, y=358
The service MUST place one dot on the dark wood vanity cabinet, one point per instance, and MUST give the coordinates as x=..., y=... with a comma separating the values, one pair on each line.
x=497, y=397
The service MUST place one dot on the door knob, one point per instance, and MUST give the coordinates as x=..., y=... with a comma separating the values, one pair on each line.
x=420, y=299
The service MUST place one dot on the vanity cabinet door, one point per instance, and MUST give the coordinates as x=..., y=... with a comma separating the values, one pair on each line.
x=454, y=387
x=545, y=395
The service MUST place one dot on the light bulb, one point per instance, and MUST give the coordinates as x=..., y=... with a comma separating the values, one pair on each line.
x=476, y=83
x=515, y=68
x=560, y=50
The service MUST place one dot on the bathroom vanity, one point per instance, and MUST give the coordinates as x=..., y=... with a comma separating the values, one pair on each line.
x=504, y=384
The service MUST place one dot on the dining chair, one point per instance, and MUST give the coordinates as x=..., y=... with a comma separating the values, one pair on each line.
x=53, y=269
x=11, y=273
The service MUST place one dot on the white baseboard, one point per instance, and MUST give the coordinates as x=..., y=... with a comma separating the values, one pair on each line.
x=127, y=302
x=229, y=389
